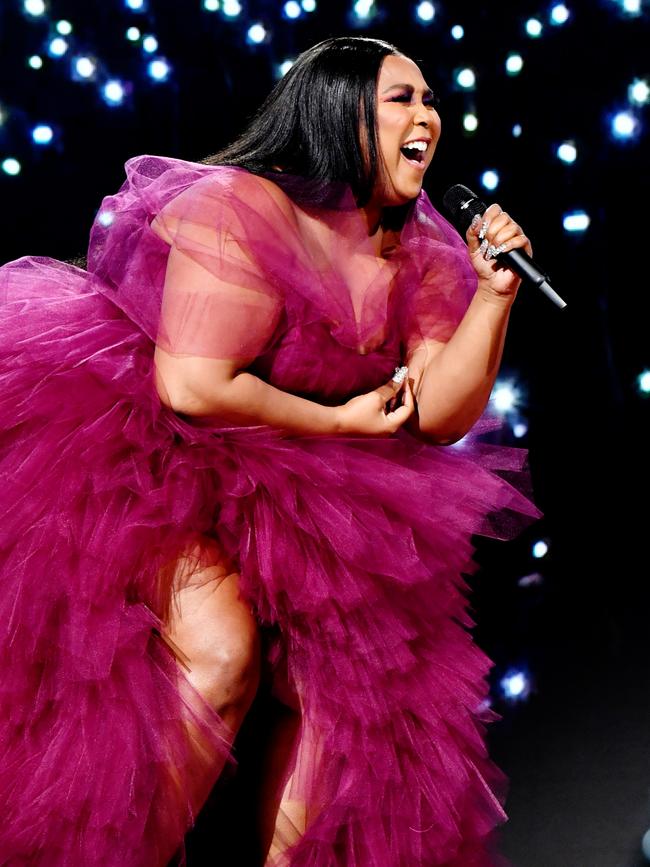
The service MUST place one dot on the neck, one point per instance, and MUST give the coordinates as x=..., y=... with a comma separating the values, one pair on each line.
x=372, y=215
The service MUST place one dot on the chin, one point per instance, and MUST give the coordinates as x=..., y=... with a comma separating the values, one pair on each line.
x=402, y=197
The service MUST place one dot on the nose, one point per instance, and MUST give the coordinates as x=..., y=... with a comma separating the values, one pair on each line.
x=423, y=116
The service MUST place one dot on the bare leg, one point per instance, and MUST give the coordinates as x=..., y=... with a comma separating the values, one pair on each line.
x=216, y=640
x=280, y=753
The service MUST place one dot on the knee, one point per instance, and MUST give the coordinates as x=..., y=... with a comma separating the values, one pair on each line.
x=235, y=663
x=226, y=668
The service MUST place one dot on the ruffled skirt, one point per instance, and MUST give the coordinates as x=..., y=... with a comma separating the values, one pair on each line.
x=354, y=550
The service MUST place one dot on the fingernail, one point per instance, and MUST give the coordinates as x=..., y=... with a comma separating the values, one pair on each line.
x=483, y=246
x=400, y=374
x=484, y=229
x=491, y=252
x=476, y=219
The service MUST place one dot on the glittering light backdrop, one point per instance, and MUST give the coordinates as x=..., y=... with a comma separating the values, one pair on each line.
x=544, y=108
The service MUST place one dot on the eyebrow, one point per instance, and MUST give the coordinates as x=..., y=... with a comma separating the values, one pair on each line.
x=426, y=92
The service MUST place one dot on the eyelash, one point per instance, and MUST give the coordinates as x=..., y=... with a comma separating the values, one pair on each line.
x=430, y=102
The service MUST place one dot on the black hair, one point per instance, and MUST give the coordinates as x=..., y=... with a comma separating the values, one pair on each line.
x=309, y=125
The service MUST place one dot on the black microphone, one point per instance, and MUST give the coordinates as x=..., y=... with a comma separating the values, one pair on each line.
x=462, y=204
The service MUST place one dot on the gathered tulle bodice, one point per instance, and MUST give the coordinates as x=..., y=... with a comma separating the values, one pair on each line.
x=293, y=289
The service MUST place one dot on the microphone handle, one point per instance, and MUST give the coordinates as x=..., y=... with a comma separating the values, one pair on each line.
x=520, y=262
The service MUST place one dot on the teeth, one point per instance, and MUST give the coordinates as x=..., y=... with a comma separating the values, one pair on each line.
x=417, y=145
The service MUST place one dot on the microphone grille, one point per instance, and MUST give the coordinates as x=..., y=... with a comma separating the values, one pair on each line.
x=462, y=204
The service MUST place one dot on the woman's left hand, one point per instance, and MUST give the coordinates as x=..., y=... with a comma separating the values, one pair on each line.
x=495, y=232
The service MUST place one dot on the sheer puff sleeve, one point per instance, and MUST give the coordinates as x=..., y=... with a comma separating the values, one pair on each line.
x=190, y=256
x=438, y=280
x=221, y=299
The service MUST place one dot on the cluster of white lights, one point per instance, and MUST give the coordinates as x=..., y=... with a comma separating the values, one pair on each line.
x=625, y=124
x=114, y=91
x=86, y=68
x=292, y=9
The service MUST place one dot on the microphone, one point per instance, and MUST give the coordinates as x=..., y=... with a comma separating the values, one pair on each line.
x=462, y=204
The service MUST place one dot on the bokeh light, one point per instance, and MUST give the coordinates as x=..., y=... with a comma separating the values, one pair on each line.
x=567, y=152
x=576, y=221
x=425, y=11
x=42, y=134
x=534, y=28
x=490, y=179
x=465, y=78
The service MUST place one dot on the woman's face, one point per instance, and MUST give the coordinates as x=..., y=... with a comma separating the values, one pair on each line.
x=405, y=115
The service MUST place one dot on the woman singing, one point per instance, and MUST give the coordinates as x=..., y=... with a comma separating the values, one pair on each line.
x=213, y=478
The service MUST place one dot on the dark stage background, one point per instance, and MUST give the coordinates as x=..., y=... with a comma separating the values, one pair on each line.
x=576, y=744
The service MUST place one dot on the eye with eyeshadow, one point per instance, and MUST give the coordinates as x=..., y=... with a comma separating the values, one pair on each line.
x=430, y=100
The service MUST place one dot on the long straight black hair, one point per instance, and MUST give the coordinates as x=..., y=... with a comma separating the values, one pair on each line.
x=319, y=121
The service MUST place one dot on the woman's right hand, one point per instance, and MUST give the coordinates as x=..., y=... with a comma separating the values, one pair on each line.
x=366, y=414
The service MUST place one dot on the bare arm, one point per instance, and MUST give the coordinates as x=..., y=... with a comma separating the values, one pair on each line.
x=453, y=381
x=209, y=388
x=214, y=389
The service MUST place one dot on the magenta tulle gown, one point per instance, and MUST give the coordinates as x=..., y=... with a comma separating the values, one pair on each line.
x=353, y=549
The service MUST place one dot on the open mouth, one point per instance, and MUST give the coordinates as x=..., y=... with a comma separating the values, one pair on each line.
x=415, y=152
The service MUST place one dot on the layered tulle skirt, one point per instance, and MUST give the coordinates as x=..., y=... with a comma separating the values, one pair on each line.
x=354, y=549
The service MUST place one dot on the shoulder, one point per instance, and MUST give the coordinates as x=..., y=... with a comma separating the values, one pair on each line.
x=226, y=193
x=238, y=184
